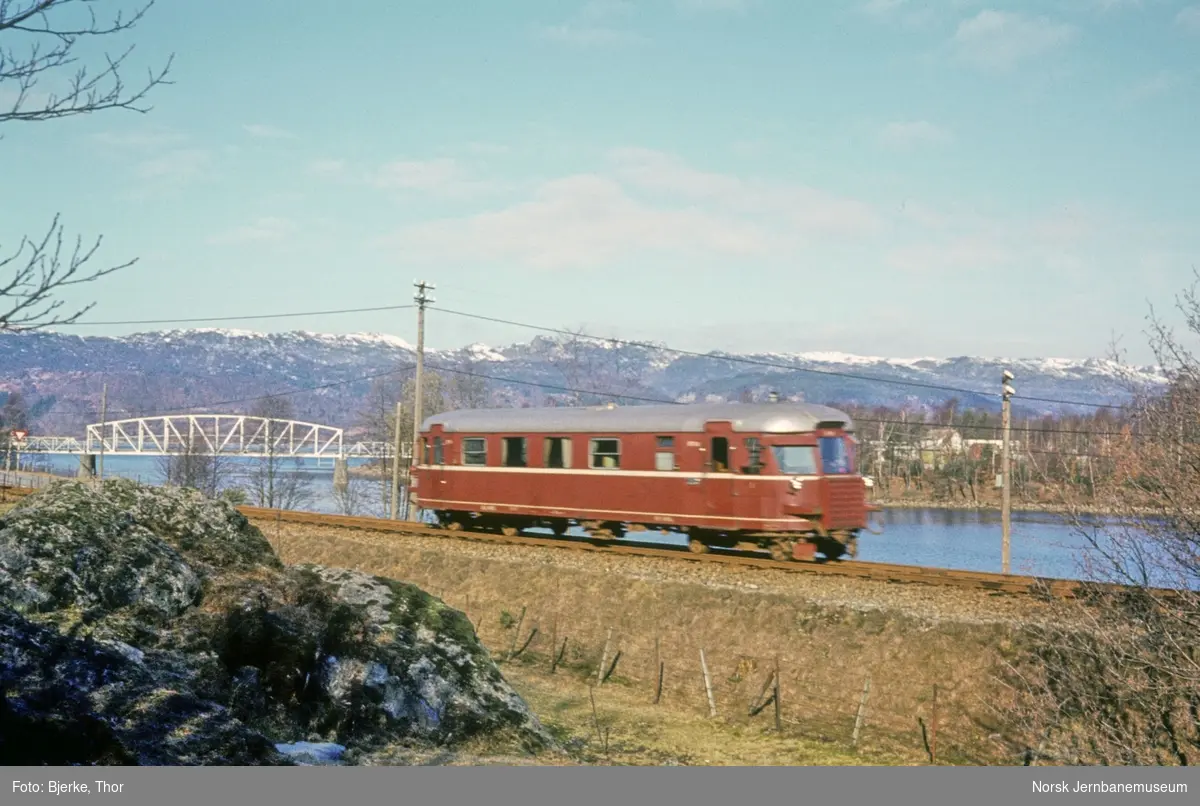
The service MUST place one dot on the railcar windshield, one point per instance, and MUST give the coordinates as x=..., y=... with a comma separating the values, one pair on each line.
x=796, y=460
x=837, y=456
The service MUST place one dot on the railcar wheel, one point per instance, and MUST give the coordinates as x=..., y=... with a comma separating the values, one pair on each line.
x=696, y=547
x=782, y=550
x=832, y=549
x=509, y=531
x=454, y=526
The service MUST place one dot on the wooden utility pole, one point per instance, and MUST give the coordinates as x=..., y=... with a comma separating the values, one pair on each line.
x=418, y=390
x=103, y=416
x=397, y=444
x=1006, y=393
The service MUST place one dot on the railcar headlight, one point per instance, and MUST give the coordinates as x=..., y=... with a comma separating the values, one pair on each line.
x=870, y=482
x=797, y=484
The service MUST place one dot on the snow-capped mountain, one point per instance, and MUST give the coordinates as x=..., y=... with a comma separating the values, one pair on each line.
x=61, y=375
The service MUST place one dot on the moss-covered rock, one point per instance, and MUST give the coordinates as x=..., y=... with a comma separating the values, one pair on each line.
x=187, y=641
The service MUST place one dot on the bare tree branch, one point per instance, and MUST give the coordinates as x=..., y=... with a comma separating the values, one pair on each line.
x=49, y=47
x=38, y=41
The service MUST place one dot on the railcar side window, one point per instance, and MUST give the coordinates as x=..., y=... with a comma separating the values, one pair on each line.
x=720, y=455
x=557, y=452
x=664, y=457
x=606, y=453
x=754, y=449
x=513, y=452
x=796, y=460
x=439, y=454
x=474, y=451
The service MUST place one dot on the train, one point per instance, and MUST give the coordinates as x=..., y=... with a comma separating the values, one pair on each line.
x=779, y=478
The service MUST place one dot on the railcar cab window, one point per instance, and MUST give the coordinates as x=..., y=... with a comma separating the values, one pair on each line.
x=439, y=453
x=664, y=457
x=474, y=451
x=796, y=460
x=556, y=452
x=512, y=452
x=606, y=453
x=837, y=456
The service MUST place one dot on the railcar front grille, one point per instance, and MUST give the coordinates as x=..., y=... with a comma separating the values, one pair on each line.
x=847, y=503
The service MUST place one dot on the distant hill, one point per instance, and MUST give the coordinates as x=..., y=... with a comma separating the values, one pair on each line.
x=184, y=370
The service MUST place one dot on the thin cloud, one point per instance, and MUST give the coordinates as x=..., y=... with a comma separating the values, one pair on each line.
x=906, y=135
x=1189, y=19
x=1156, y=85
x=588, y=35
x=268, y=132
x=327, y=167
x=711, y=5
x=148, y=138
x=806, y=209
x=999, y=41
x=577, y=222
x=441, y=177
x=270, y=229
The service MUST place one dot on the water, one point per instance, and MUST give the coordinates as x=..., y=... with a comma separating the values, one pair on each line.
x=1042, y=544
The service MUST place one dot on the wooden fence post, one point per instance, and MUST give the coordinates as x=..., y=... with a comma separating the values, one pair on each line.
x=778, y=704
x=558, y=656
x=862, y=709
x=658, y=664
x=712, y=705
x=603, y=658
x=933, y=740
x=512, y=646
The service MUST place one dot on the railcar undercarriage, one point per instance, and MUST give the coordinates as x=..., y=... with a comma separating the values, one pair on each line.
x=782, y=546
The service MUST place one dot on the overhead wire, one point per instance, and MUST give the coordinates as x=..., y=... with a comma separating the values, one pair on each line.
x=235, y=318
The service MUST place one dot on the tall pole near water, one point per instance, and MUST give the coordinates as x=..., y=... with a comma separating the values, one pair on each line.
x=418, y=390
x=1006, y=393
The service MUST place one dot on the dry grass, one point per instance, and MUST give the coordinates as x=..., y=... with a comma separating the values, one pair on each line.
x=628, y=729
x=826, y=650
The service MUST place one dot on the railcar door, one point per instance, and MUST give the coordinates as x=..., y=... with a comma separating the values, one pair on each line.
x=719, y=478
x=432, y=482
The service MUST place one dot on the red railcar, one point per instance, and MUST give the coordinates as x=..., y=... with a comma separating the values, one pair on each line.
x=779, y=477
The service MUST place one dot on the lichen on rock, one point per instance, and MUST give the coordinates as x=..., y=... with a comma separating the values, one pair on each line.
x=180, y=638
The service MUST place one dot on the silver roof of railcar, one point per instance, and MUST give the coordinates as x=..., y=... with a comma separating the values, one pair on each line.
x=770, y=418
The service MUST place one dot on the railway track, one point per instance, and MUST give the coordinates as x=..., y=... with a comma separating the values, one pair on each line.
x=883, y=572
x=1040, y=587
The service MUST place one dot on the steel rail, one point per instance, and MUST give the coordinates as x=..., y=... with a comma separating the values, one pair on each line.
x=1041, y=587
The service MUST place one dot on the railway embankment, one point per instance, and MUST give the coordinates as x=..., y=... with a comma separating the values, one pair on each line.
x=902, y=671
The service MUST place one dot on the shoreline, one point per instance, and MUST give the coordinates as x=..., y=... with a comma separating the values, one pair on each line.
x=906, y=503
x=1042, y=508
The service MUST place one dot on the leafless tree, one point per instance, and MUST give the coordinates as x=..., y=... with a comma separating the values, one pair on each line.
x=1120, y=684
x=272, y=483
x=594, y=370
x=466, y=388
x=40, y=42
x=377, y=419
x=196, y=468
x=351, y=497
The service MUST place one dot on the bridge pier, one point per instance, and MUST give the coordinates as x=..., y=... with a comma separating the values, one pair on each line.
x=87, y=465
x=341, y=474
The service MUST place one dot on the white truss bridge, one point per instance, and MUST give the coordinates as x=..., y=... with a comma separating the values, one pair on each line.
x=212, y=434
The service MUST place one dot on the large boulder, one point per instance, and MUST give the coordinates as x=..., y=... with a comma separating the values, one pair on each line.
x=156, y=626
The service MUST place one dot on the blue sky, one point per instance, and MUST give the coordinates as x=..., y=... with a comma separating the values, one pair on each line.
x=880, y=177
